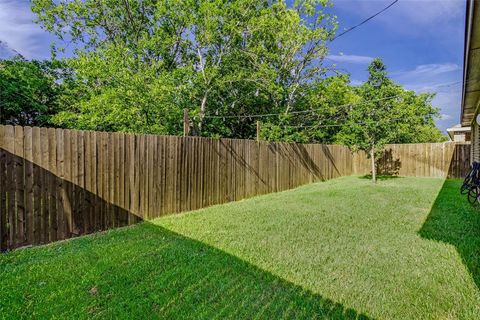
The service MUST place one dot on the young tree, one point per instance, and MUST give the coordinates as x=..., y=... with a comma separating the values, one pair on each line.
x=387, y=113
x=369, y=124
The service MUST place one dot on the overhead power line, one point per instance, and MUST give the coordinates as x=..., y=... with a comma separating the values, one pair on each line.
x=335, y=124
x=365, y=21
x=247, y=116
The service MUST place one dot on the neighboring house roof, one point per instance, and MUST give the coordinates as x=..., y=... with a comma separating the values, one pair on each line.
x=471, y=63
x=457, y=129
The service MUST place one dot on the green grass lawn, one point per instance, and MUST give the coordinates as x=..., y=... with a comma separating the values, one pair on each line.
x=405, y=248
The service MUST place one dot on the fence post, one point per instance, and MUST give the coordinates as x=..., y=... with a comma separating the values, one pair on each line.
x=186, y=122
x=258, y=130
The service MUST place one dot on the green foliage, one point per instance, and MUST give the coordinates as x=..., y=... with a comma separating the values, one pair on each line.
x=417, y=119
x=318, y=113
x=387, y=113
x=143, y=62
x=137, y=65
x=30, y=91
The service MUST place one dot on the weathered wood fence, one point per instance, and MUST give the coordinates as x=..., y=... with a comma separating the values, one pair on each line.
x=56, y=184
x=440, y=160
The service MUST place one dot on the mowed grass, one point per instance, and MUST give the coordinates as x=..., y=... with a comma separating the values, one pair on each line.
x=405, y=248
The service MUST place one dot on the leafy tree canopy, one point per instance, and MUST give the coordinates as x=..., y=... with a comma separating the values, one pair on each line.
x=31, y=91
x=138, y=64
x=144, y=61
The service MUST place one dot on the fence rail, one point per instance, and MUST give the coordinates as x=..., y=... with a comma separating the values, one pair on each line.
x=57, y=184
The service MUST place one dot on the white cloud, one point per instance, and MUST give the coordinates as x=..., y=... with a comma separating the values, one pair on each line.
x=411, y=25
x=443, y=79
x=430, y=11
x=436, y=87
x=350, y=58
x=429, y=70
x=418, y=12
x=19, y=31
x=444, y=116
x=449, y=104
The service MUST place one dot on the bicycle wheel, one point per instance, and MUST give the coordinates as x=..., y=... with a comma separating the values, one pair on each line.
x=467, y=181
x=465, y=188
x=473, y=195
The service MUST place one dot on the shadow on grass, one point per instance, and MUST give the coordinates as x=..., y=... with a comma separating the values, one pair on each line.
x=147, y=271
x=452, y=220
x=379, y=177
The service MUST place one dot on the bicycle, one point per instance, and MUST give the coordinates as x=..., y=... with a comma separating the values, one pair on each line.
x=471, y=179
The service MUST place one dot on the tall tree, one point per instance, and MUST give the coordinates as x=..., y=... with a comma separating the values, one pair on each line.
x=318, y=114
x=144, y=61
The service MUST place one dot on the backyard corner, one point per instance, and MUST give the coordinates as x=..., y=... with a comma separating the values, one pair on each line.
x=404, y=248
x=240, y=159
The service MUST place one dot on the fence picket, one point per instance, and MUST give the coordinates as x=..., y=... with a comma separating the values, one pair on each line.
x=56, y=183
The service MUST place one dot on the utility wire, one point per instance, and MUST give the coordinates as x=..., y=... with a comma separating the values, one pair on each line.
x=450, y=84
x=364, y=21
x=335, y=125
x=314, y=110
x=294, y=112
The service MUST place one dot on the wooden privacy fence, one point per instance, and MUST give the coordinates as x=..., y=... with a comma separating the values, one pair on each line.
x=56, y=184
x=441, y=160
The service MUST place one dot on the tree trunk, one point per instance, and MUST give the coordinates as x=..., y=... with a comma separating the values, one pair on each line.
x=372, y=156
x=202, y=111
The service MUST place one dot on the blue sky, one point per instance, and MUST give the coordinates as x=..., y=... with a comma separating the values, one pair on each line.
x=421, y=42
